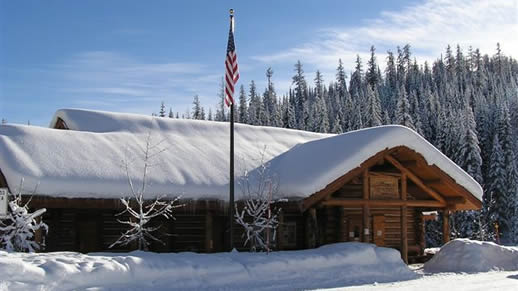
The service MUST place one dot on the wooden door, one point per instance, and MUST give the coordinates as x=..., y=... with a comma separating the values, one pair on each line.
x=354, y=228
x=87, y=236
x=379, y=230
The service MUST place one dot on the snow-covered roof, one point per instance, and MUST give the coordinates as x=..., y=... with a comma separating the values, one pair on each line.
x=308, y=168
x=88, y=160
x=194, y=164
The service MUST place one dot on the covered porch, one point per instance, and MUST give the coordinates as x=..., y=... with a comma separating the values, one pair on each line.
x=382, y=202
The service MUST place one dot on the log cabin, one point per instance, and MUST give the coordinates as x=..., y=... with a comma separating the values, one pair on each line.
x=370, y=185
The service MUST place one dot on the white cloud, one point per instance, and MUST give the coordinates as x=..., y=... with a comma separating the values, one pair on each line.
x=114, y=81
x=428, y=27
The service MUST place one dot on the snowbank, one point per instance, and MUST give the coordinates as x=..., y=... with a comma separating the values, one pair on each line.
x=464, y=255
x=328, y=266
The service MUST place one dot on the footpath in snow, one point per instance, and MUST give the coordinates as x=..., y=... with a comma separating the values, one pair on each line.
x=342, y=264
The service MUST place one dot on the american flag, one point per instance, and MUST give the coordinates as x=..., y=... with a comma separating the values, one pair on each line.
x=232, y=71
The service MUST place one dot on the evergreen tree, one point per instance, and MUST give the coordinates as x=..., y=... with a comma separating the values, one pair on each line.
x=243, y=106
x=162, y=110
x=196, y=108
x=495, y=202
x=373, y=114
x=403, y=116
x=171, y=115
x=220, y=111
x=372, y=71
x=300, y=96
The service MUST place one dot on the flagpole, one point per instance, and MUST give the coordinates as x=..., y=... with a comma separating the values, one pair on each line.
x=231, y=198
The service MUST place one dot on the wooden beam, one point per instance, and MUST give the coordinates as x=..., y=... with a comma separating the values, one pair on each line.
x=209, y=242
x=409, y=163
x=414, y=178
x=404, y=221
x=365, y=210
x=311, y=228
x=445, y=226
x=432, y=182
x=383, y=203
x=280, y=231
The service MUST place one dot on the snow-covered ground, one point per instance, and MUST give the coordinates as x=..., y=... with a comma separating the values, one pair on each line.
x=497, y=281
x=343, y=266
x=326, y=267
x=460, y=265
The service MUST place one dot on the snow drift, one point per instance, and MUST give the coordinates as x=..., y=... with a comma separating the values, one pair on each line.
x=328, y=266
x=464, y=255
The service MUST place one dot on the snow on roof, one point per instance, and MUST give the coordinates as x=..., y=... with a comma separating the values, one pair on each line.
x=68, y=163
x=308, y=168
x=88, y=160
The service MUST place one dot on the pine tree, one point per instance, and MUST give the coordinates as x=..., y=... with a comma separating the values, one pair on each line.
x=220, y=111
x=301, y=113
x=495, y=202
x=196, y=108
x=403, y=116
x=373, y=114
x=162, y=110
x=243, y=106
x=372, y=71
x=505, y=131
x=171, y=115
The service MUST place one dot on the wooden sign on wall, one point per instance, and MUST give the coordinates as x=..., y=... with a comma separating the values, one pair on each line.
x=384, y=187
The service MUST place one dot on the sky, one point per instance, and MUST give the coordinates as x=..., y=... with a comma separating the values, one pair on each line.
x=129, y=56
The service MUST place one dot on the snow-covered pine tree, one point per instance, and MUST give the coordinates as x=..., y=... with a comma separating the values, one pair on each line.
x=495, y=202
x=371, y=77
x=403, y=116
x=162, y=110
x=300, y=96
x=254, y=106
x=337, y=125
x=243, y=106
x=373, y=114
x=220, y=110
x=143, y=211
x=196, y=108
x=19, y=226
x=505, y=131
x=171, y=115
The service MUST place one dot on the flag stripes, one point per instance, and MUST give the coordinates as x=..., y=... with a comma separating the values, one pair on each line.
x=231, y=67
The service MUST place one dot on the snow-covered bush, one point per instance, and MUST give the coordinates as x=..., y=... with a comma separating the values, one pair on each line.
x=257, y=216
x=18, y=228
x=140, y=210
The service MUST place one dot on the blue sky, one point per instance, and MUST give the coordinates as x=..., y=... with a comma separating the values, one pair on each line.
x=130, y=55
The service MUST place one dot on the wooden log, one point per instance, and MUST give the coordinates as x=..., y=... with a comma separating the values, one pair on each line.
x=311, y=228
x=446, y=226
x=415, y=179
x=209, y=234
x=365, y=211
x=280, y=231
x=404, y=220
x=382, y=203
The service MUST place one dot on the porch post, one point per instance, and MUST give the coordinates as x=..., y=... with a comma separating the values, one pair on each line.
x=366, y=223
x=445, y=226
x=404, y=223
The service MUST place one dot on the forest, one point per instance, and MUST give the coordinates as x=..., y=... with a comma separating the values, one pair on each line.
x=464, y=103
